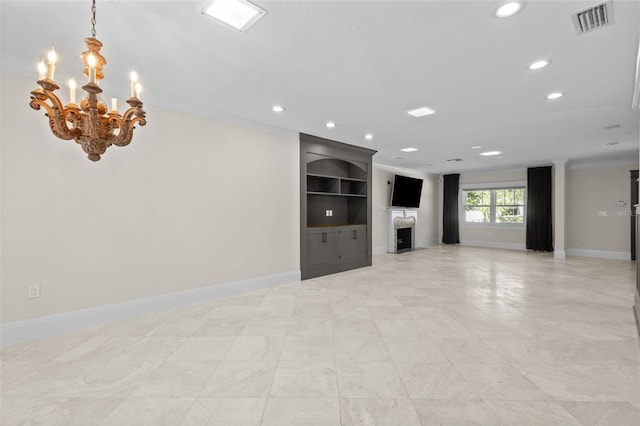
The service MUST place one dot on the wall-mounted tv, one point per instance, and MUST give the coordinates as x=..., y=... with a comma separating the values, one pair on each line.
x=406, y=192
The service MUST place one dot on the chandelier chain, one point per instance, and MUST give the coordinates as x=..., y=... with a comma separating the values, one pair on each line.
x=93, y=19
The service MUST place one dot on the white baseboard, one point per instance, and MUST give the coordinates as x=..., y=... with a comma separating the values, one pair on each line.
x=559, y=254
x=379, y=250
x=427, y=243
x=22, y=331
x=493, y=244
x=604, y=254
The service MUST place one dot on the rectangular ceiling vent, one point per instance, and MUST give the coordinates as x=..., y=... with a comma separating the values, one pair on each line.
x=593, y=18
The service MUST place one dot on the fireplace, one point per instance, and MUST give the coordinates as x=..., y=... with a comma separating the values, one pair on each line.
x=403, y=240
x=402, y=230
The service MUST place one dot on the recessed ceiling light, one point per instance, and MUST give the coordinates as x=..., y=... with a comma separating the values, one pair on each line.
x=422, y=111
x=539, y=64
x=509, y=8
x=277, y=108
x=490, y=153
x=368, y=136
x=238, y=14
x=409, y=149
x=330, y=124
x=554, y=95
x=476, y=147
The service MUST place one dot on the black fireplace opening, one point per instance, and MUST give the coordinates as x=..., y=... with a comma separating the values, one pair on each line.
x=403, y=240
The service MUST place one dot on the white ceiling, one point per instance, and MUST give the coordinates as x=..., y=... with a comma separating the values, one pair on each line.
x=363, y=64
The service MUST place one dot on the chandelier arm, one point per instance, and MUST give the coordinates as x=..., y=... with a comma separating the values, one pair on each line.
x=56, y=114
x=114, y=121
x=72, y=115
x=126, y=130
x=37, y=103
x=58, y=122
x=55, y=101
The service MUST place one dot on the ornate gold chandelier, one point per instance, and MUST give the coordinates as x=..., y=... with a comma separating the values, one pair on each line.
x=90, y=124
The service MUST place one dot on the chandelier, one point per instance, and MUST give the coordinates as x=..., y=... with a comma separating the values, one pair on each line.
x=90, y=124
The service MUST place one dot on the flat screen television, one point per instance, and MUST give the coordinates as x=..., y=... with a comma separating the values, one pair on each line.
x=406, y=192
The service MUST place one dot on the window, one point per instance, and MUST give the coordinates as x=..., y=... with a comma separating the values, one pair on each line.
x=478, y=206
x=494, y=205
x=509, y=205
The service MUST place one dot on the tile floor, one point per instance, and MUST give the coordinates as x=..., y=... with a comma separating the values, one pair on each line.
x=446, y=335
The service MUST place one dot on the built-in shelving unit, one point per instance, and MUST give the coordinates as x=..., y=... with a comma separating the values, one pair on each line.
x=335, y=206
x=333, y=185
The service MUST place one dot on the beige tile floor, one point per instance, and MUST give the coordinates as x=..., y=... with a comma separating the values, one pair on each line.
x=446, y=335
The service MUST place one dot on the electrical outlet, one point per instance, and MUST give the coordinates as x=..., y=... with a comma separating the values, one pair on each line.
x=34, y=291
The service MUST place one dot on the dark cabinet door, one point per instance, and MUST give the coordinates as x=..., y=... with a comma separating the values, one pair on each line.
x=353, y=243
x=315, y=248
x=322, y=246
x=332, y=246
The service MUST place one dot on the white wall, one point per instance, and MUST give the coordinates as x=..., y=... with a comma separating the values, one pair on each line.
x=427, y=225
x=595, y=224
x=194, y=202
x=190, y=203
x=492, y=235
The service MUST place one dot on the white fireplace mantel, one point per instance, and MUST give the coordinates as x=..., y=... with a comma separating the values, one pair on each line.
x=406, y=214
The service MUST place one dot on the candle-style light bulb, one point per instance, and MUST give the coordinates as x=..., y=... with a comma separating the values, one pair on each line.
x=72, y=91
x=52, y=57
x=134, y=79
x=114, y=104
x=91, y=62
x=138, y=90
x=42, y=71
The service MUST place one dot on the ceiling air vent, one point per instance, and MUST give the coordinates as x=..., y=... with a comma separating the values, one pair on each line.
x=593, y=18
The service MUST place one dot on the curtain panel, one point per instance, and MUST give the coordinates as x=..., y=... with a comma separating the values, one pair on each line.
x=450, y=225
x=539, y=232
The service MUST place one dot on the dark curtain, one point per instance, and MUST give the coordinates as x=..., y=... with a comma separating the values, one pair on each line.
x=539, y=232
x=450, y=232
